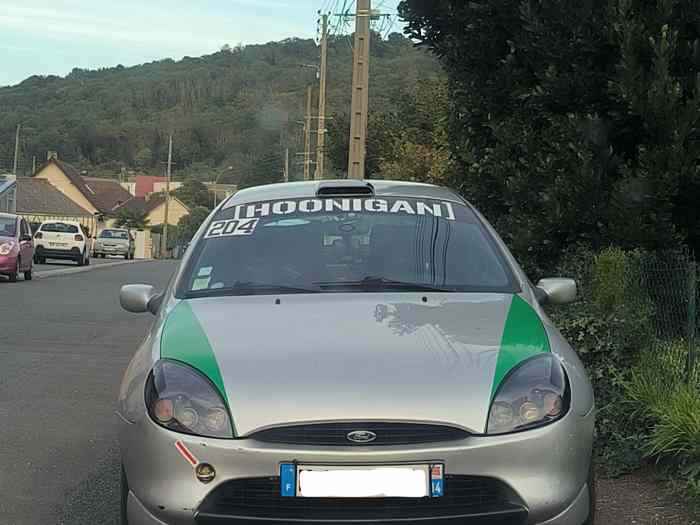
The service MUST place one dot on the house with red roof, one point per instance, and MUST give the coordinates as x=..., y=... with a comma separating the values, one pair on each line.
x=145, y=185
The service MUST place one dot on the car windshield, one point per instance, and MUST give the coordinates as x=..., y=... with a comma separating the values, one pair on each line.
x=59, y=227
x=114, y=234
x=359, y=244
x=8, y=226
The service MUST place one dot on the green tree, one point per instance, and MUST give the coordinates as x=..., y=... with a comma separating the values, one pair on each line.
x=572, y=121
x=189, y=224
x=407, y=140
x=194, y=193
x=131, y=219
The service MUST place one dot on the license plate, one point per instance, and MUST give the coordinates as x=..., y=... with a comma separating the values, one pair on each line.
x=395, y=481
x=58, y=244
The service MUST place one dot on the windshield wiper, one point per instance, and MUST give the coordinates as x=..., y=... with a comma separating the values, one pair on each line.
x=372, y=282
x=249, y=288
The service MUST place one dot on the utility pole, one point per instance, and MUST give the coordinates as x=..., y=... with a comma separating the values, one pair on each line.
x=307, y=135
x=33, y=165
x=286, y=165
x=164, y=242
x=360, y=91
x=14, y=165
x=321, y=139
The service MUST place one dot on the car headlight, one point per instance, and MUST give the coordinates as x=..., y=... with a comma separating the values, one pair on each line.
x=180, y=398
x=6, y=248
x=534, y=394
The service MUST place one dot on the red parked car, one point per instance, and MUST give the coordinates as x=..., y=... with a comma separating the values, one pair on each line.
x=16, y=247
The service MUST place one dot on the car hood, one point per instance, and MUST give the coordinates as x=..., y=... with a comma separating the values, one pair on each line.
x=355, y=357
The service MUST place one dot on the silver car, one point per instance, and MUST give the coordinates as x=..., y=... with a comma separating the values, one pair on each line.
x=353, y=352
x=114, y=241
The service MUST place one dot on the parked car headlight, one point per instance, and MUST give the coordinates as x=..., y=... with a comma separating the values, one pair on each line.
x=534, y=394
x=6, y=248
x=180, y=398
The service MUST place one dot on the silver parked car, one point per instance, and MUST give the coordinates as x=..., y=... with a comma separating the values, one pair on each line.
x=353, y=351
x=114, y=242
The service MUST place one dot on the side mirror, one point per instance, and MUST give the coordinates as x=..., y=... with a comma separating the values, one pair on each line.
x=139, y=298
x=557, y=290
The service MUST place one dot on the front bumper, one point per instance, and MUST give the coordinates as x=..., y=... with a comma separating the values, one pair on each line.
x=545, y=469
x=111, y=250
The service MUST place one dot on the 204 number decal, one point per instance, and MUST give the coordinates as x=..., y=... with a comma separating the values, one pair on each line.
x=231, y=227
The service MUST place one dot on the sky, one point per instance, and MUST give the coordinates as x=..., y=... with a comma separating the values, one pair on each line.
x=51, y=37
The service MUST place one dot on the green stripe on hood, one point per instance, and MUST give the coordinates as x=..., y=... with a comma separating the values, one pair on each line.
x=184, y=340
x=523, y=337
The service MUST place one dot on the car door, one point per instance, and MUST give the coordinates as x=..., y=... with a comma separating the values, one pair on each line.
x=26, y=244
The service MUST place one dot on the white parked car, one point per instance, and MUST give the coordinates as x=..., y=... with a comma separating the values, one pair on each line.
x=68, y=240
x=114, y=241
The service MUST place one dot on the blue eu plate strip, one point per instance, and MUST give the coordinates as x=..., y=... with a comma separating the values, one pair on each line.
x=437, y=481
x=436, y=488
x=288, y=482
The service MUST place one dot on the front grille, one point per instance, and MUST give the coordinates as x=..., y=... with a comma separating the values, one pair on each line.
x=482, y=500
x=335, y=434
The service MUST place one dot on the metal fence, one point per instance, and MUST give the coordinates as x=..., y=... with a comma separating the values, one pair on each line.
x=635, y=305
x=669, y=287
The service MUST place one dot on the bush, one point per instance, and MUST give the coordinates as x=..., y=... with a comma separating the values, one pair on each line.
x=668, y=407
x=677, y=431
x=612, y=319
x=659, y=394
x=608, y=326
x=630, y=328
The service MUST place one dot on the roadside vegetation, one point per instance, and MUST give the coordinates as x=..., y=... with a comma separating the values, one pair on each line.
x=574, y=127
x=631, y=329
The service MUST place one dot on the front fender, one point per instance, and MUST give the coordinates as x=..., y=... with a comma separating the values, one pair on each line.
x=582, y=397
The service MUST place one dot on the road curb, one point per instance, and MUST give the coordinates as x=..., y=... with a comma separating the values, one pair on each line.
x=83, y=269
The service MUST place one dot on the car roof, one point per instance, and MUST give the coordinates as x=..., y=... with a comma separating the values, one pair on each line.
x=9, y=216
x=309, y=189
x=54, y=221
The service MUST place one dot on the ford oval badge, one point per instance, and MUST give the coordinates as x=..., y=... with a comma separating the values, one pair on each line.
x=361, y=436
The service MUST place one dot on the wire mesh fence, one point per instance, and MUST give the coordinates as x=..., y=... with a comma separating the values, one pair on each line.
x=668, y=285
x=634, y=305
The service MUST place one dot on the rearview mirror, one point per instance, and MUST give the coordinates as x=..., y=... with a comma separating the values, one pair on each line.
x=137, y=298
x=557, y=290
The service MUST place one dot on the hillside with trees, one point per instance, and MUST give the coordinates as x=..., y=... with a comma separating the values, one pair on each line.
x=233, y=113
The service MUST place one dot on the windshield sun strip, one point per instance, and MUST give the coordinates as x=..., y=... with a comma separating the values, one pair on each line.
x=185, y=275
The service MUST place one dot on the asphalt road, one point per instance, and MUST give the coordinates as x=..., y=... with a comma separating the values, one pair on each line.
x=64, y=344
x=55, y=264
